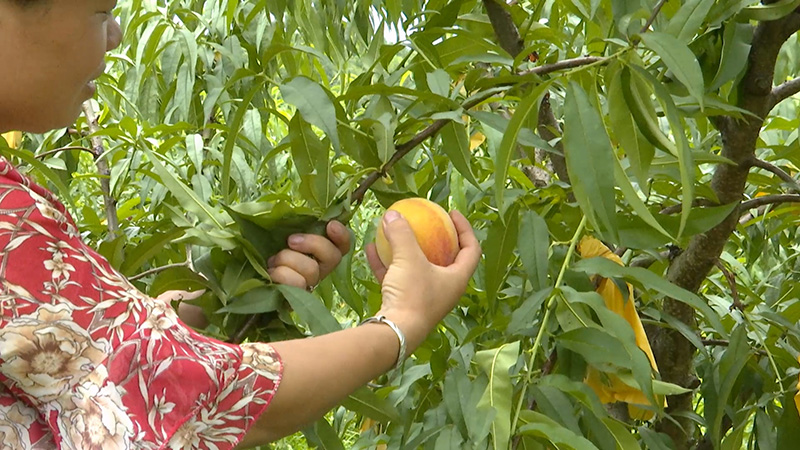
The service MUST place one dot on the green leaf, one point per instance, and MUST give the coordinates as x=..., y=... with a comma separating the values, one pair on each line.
x=369, y=404
x=314, y=104
x=649, y=280
x=625, y=439
x=137, y=257
x=310, y=310
x=589, y=160
x=233, y=132
x=735, y=48
x=499, y=248
x=455, y=144
x=597, y=347
x=773, y=11
x=323, y=436
x=725, y=374
x=539, y=425
x=509, y=143
x=633, y=199
x=186, y=197
x=496, y=364
x=685, y=23
x=679, y=60
x=255, y=301
x=638, y=149
x=533, y=244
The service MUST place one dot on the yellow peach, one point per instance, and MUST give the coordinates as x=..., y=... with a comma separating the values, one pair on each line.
x=432, y=226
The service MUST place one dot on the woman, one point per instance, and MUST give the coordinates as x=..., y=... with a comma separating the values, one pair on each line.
x=86, y=361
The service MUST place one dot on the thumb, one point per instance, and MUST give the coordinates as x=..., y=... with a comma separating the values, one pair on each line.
x=401, y=238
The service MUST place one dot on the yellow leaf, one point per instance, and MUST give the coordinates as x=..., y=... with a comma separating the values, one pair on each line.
x=797, y=396
x=476, y=140
x=13, y=138
x=610, y=388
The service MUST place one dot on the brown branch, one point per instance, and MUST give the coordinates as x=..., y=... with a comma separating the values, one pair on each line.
x=71, y=147
x=102, y=168
x=504, y=28
x=780, y=173
x=403, y=149
x=565, y=64
x=770, y=200
x=139, y=276
x=697, y=203
x=731, y=279
x=784, y=91
x=653, y=16
x=241, y=333
x=674, y=353
x=548, y=130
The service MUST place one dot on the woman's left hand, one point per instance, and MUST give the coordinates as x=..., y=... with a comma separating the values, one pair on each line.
x=310, y=257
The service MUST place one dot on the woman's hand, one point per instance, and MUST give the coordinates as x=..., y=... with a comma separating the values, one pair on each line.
x=310, y=257
x=416, y=293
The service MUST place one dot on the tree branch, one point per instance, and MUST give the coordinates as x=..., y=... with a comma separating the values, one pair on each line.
x=770, y=200
x=674, y=353
x=146, y=273
x=784, y=91
x=565, y=64
x=504, y=28
x=102, y=168
x=548, y=130
x=71, y=147
x=780, y=173
x=653, y=16
x=698, y=202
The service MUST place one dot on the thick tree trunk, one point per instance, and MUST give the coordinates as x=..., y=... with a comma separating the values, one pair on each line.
x=739, y=136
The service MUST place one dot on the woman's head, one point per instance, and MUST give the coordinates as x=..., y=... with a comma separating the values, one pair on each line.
x=50, y=51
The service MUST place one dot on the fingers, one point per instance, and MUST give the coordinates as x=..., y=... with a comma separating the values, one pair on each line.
x=289, y=277
x=401, y=238
x=375, y=263
x=325, y=251
x=339, y=235
x=470, y=254
x=294, y=268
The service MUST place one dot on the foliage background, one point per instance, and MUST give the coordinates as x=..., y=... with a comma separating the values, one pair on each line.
x=224, y=125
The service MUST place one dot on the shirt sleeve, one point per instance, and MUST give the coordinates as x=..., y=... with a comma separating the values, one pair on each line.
x=105, y=365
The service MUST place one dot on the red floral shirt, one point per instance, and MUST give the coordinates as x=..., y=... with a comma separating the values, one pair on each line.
x=89, y=362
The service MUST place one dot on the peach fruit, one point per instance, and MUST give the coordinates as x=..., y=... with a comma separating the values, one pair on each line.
x=432, y=226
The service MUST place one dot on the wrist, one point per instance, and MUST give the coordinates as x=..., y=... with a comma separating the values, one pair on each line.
x=415, y=327
x=401, y=338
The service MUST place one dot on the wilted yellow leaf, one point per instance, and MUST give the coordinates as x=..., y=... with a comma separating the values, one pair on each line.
x=476, y=140
x=13, y=138
x=610, y=388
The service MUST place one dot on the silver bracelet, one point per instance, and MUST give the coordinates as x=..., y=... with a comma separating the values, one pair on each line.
x=401, y=355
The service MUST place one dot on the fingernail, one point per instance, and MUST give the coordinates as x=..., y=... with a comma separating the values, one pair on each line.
x=391, y=216
x=296, y=239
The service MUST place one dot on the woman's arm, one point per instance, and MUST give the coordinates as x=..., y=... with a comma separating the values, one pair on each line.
x=320, y=372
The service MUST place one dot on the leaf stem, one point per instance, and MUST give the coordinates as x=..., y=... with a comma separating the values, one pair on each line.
x=546, y=319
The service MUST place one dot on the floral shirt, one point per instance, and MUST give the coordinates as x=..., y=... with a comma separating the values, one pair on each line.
x=89, y=362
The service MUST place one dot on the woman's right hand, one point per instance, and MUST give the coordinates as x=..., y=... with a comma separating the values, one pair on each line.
x=416, y=293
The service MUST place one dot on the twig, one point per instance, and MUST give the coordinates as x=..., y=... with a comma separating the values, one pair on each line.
x=71, y=147
x=784, y=91
x=565, y=64
x=780, y=173
x=102, y=169
x=769, y=200
x=724, y=343
x=241, y=333
x=653, y=16
x=139, y=276
x=698, y=202
x=402, y=150
x=731, y=278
